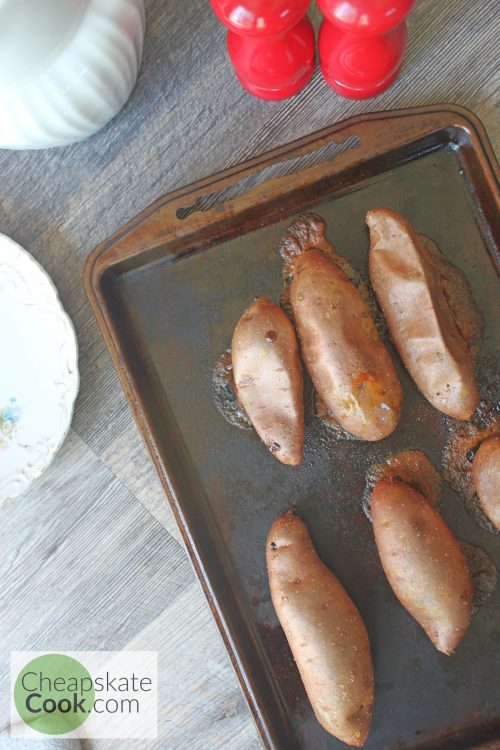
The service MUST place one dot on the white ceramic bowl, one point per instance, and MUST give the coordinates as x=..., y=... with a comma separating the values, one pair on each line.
x=66, y=67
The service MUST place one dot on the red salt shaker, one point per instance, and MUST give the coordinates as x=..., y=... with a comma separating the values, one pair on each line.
x=270, y=44
x=362, y=43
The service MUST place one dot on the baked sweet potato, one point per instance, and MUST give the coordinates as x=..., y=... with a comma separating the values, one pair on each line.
x=325, y=632
x=419, y=304
x=486, y=477
x=423, y=562
x=348, y=363
x=268, y=378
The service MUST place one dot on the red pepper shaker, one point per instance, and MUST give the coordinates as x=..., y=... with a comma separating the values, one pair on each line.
x=270, y=44
x=362, y=43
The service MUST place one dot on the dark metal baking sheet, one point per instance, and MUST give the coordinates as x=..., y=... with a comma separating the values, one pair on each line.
x=167, y=291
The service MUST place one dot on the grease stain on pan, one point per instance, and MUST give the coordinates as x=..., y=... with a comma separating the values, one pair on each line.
x=224, y=394
x=284, y=669
x=483, y=572
x=409, y=466
x=463, y=442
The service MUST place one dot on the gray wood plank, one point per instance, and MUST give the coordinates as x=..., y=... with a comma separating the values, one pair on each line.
x=70, y=561
x=201, y=705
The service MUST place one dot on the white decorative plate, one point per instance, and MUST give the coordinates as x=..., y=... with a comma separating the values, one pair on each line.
x=38, y=373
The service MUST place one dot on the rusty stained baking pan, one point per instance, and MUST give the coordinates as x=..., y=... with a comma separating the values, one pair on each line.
x=167, y=291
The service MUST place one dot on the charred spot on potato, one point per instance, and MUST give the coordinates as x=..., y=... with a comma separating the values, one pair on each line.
x=273, y=545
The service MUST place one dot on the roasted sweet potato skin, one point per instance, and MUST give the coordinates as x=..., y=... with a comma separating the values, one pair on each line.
x=268, y=378
x=342, y=350
x=486, y=477
x=325, y=632
x=414, y=297
x=423, y=562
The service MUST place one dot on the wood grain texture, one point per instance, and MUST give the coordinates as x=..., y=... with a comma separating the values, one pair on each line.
x=90, y=557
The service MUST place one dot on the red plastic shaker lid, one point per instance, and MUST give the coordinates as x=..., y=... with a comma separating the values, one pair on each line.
x=259, y=18
x=366, y=16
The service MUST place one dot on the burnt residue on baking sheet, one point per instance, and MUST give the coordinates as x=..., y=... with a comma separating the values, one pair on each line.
x=463, y=442
x=483, y=573
x=452, y=738
x=224, y=394
x=488, y=372
x=410, y=466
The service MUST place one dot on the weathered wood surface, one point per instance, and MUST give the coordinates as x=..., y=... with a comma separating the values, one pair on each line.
x=91, y=557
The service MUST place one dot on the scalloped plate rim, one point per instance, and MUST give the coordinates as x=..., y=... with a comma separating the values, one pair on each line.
x=5, y=239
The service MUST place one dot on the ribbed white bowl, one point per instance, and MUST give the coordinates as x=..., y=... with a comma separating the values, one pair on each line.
x=66, y=67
